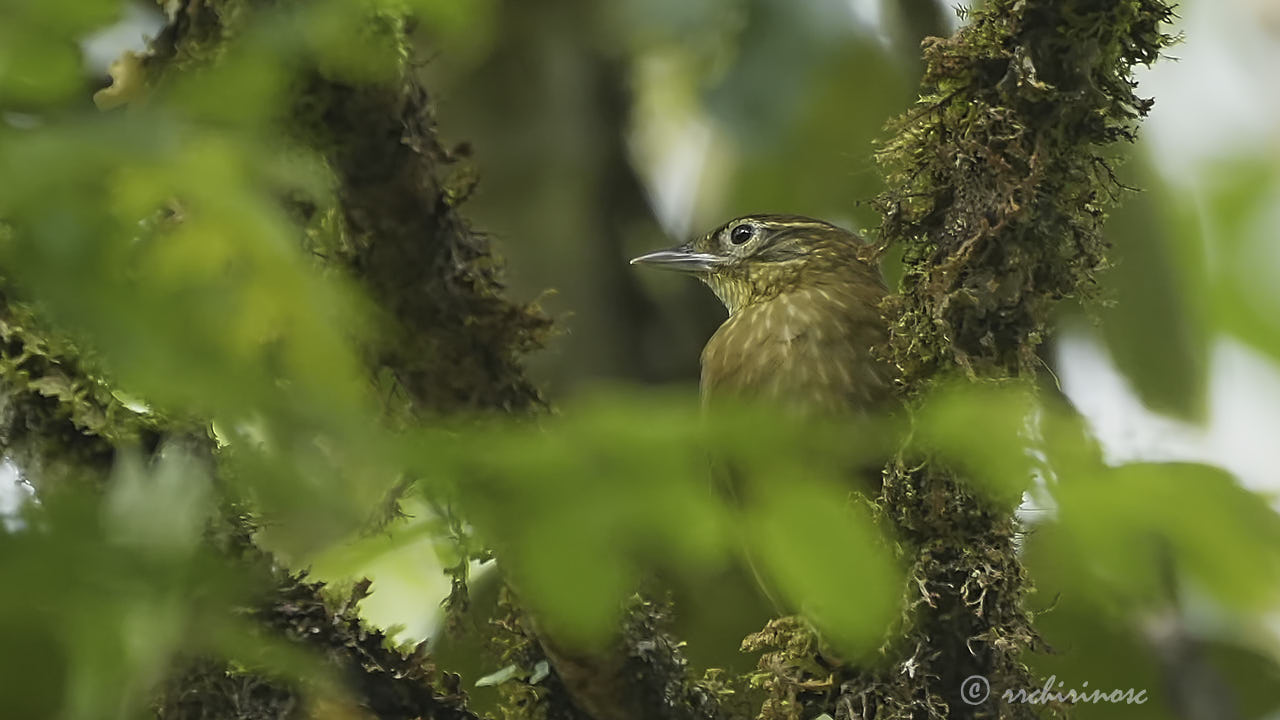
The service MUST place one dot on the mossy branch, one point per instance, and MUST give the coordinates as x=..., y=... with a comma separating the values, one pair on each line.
x=999, y=181
x=1001, y=175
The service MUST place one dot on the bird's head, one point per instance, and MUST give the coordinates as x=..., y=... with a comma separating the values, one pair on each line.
x=758, y=257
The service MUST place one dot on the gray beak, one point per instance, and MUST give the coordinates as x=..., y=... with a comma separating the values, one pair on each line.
x=680, y=259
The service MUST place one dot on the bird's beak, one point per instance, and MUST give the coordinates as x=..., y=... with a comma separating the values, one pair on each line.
x=681, y=259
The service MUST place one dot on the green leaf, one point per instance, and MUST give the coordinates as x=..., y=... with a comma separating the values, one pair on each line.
x=36, y=69
x=359, y=41
x=577, y=506
x=69, y=19
x=988, y=431
x=1134, y=534
x=829, y=559
x=1239, y=218
x=581, y=505
x=91, y=622
x=1181, y=646
x=814, y=154
x=1157, y=329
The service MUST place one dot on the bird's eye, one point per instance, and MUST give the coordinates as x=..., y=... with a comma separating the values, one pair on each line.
x=741, y=234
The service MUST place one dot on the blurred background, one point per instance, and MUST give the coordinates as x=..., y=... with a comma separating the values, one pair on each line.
x=599, y=131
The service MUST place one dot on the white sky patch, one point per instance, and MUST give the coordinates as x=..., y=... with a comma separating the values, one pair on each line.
x=1216, y=103
x=1218, y=99
x=1239, y=433
x=13, y=495
x=678, y=176
x=867, y=12
x=130, y=33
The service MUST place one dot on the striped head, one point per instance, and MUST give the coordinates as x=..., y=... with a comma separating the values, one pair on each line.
x=755, y=258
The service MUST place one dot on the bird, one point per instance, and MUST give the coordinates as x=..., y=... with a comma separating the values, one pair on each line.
x=804, y=316
x=803, y=301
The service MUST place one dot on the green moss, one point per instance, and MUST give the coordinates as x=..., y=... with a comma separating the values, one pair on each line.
x=382, y=680
x=798, y=682
x=513, y=643
x=61, y=422
x=1000, y=177
x=453, y=341
x=450, y=341
x=642, y=676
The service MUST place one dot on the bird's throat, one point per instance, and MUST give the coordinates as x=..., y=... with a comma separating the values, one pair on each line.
x=733, y=291
x=740, y=288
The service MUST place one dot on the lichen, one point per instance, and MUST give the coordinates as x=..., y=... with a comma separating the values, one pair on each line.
x=127, y=83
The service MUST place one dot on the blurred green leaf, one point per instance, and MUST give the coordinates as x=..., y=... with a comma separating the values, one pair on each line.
x=577, y=506
x=1085, y=646
x=162, y=245
x=248, y=86
x=356, y=40
x=829, y=559
x=1239, y=219
x=1157, y=328
x=989, y=431
x=36, y=69
x=1133, y=534
x=35, y=677
x=809, y=141
x=164, y=510
x=580, y=507
x=1150, y=649
x=1252, y=673
x=104, y=620
x=68, y=18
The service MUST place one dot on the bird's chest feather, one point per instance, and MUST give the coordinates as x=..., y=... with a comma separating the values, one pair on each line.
x=809, y=350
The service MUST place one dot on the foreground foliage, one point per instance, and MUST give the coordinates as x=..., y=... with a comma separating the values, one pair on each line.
x=243, y=323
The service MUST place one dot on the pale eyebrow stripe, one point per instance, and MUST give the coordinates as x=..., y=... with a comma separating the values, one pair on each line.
x=795, y=223
x=773, y=221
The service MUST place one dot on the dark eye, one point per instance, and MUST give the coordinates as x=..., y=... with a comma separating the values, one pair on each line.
x=741, y=234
